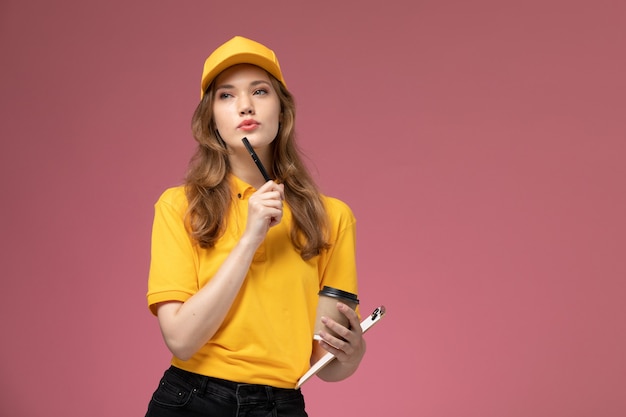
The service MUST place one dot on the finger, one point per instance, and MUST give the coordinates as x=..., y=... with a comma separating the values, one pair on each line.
x=275, y=195
x=276, y=219
x=271, y=198
x=281, y=190
x=272, y=186
x=268, y=199
x=338, y=353
x=342, y=333
x=353, y=318
x=338, y=347
x=268, y=211
x=267, y=186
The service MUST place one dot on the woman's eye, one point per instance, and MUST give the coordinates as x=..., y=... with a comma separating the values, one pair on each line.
x=224, y=95
x=260, y=91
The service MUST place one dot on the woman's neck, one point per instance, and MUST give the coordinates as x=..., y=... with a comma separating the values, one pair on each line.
x=244, y=168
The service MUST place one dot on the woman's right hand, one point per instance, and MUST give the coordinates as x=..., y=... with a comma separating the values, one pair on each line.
x=265, y=210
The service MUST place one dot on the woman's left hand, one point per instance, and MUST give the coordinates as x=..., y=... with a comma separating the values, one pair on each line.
x=350, y=349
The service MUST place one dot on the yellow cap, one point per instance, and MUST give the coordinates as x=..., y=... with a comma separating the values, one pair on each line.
x=239, y=50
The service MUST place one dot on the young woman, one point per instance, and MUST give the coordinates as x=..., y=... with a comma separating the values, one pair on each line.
x=238, y=261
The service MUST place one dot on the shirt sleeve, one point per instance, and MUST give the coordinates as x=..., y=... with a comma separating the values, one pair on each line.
x=173, y=262
x=339, y=262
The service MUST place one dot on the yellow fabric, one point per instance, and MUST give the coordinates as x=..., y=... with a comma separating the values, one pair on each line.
x=266, y=337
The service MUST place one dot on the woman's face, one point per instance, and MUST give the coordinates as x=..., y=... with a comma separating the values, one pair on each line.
x=246, y=105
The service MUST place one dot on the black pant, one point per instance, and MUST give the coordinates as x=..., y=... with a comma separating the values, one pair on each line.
x=182, y=393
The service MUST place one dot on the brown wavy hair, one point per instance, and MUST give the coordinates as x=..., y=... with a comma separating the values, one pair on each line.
x=208, y=190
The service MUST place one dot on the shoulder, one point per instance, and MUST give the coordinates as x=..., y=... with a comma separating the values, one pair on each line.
x=174, y=197
x=338, y=211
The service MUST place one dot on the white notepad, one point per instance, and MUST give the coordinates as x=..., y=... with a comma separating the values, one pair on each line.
x=366, y=324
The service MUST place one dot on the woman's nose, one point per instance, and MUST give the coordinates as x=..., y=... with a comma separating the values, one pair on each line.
x=246, y=107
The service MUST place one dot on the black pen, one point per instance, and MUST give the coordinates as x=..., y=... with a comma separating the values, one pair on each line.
x=256, y=159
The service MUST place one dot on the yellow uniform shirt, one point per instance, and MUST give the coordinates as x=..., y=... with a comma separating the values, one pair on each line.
x=266, y=337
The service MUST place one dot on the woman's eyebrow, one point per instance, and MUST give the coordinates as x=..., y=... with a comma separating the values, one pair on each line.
x=253, y=84
x=224, y=86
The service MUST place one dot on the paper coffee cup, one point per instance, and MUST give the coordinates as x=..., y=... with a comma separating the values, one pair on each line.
x=327, y=307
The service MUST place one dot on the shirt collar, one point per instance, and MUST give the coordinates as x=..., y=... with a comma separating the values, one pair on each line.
x=242, y=189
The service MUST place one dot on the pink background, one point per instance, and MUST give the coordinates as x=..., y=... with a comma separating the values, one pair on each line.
x=481, y=145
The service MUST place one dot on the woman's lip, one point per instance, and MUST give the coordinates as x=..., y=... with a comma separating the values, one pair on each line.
x=248, y=127
x=248, y=122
